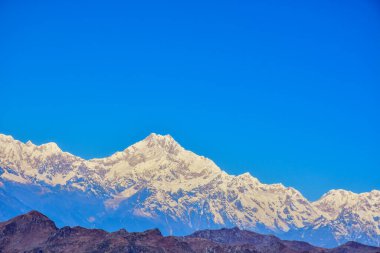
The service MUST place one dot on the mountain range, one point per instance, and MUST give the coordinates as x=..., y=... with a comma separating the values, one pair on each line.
x=34, y=232
x=156, y=183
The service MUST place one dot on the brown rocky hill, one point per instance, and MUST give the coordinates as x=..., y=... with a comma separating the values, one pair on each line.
x=35, y=233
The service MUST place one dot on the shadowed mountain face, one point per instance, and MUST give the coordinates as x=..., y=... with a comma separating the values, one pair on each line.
x=34, y=232
x=158, y=183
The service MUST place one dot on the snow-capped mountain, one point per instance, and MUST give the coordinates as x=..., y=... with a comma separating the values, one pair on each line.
x=157, y=183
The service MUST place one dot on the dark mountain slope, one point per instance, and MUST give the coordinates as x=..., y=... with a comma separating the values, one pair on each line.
x=34, y=232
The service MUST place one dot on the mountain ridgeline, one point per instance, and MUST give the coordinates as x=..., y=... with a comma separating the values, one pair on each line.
x=157, y=183
x=34, y=232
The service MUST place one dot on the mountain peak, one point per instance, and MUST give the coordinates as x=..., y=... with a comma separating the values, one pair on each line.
x=166, y=142
x=31, y=219
x=27, y=230
x=6, y=137
x=36, y=215
x=154, y=136
x=51, y=147
x=339, y=192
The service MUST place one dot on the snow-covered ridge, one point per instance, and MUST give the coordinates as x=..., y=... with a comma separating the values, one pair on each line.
x=12, y=152
x=160, y=180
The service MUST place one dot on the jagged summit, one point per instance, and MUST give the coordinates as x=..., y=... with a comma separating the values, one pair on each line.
x=6, y=137
x=159, y=136
x=340, y=192
x=9, y=144
x=162, y=141
x=32, y=217
x=51, y=147
x=35, y=213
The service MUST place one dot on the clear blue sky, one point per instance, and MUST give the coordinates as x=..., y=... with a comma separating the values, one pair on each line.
x=287, y=90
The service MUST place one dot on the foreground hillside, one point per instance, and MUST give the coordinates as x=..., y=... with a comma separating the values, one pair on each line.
x=34, y=232
x=158, y=183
